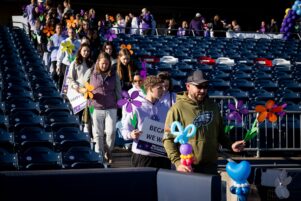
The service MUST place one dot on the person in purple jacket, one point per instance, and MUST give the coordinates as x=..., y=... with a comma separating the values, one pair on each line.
x=107, y=90
x=196, y=25
x=146, y=22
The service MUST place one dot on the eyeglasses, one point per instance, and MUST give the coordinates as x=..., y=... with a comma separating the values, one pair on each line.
x=202, y=86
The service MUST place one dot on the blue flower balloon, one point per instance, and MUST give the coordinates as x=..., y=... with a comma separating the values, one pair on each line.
x=183, y=135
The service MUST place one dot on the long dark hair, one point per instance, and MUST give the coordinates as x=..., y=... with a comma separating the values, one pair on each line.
x=109, y=43
x=79, y=58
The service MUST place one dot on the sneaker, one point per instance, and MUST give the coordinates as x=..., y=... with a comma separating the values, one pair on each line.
x=108, y=157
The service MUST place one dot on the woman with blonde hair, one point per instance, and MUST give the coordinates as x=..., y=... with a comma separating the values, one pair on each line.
x=106, y=92
x=124, y=68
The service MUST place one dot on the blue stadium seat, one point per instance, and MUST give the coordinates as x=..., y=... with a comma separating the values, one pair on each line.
x=205, y=68
x=219, y=84
x=290, y=96
x=178, y=75
x=161, y=53
x=283, y=68
x=178, y=85
x=22, y=84
x=262, y=75
x=223, y=67
x=15, y=77
x=67, y=137
x=243, y=67
x=22, y=119
x=152, y=71
x=46, y=92
x=15, y=70
x=263, y=68
x=243, y=84
x=8, y=160
x=6, y=140
x=238, y=94
x=21, y=104
x=32, y=136
x=266, y=84
x=163, y=66
x=215, y=55
x=261, y=95
x=50, y=104
x=37, y=158
x=221, y=75
x=181, y=55
x=60, y=119
x=241, y=75
x=282, y=76
x=297, y=75
x=182, y=66
x=290, y=85
x=82, y=157
x=215, y=93
x=291, y=106
x=16, y=93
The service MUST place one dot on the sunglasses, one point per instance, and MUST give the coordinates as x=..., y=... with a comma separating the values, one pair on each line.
x=202, y=86
x=135, y=81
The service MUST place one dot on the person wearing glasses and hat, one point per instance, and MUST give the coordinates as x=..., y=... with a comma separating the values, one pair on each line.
x=194, y=106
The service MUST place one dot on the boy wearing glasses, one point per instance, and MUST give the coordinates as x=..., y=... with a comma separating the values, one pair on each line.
x=194, y=106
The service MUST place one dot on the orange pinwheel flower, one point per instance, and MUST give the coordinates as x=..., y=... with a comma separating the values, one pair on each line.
x=71, y=22
x=268, y=111
x=89, y=88
x=48, y=30
x=111, y=18
x=128, y=46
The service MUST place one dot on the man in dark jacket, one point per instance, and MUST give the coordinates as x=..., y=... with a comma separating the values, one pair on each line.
x=194, y=106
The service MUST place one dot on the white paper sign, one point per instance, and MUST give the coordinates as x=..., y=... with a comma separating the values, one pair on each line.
x=151, y=138
x=76, y=99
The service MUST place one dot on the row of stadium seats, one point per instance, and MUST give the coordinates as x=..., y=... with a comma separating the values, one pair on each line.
x=37, y=127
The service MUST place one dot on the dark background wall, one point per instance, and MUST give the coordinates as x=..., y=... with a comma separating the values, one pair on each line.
x=248, y=13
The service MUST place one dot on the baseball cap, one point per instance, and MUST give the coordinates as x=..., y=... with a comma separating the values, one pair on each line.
x=198, y=15
x=196, y=78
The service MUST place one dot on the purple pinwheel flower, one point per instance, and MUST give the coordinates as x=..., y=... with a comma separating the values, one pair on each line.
x=143, y=72
x=110, y=35
x=82, y=12
x=129, y=100
x=236, y=113
x=41, y=8
x=282, y=113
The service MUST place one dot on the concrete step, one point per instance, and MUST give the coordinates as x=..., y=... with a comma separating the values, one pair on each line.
x=121, y=158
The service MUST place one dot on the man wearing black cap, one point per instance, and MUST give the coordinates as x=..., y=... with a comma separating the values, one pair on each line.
x=194, y=106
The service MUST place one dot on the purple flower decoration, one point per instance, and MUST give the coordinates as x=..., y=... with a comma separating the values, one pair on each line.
x=82, y=12
x=129, y=100
x=236, y=113
x=110, y=35
x=41, y=8
x=282, y=113
x=143, y=72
